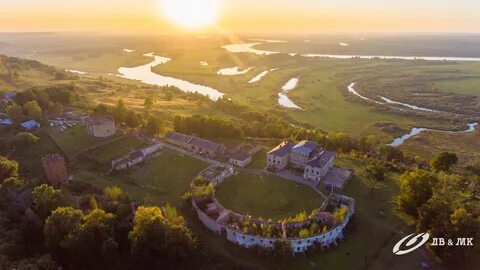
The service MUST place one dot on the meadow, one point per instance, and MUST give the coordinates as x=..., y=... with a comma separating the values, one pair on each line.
x=266, y=196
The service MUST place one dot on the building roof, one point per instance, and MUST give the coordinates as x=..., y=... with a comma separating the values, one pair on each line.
x=6, y=121
x=205, y=144
x=322, y=160
x=305, y=146
x=29, y=124
x=178, y=137
x=282, y=149
x=51, y=158
x=240, y=156
x=10, y=95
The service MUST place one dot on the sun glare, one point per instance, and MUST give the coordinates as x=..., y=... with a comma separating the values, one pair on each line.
x=191, y=14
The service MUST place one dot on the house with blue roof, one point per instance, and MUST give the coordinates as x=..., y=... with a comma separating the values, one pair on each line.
x=302, y=152
x=30, y=125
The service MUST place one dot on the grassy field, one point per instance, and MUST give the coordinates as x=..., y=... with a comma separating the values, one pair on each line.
x=116, y=149
x=266, y=196
x=163, y=179
x=469, y=87
x=75, y=139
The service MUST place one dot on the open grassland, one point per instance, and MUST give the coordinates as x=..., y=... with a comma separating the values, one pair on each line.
x=266, y=196
x=469, y=86
x=116, y=149
x=426, y=145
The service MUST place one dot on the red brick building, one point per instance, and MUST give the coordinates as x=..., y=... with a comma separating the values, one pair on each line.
x=55, y=169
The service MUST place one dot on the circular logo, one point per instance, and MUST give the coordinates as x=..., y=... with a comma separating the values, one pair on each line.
x=413, y=241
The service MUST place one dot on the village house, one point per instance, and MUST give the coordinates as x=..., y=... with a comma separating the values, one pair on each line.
x=100, y=126
x=240, y=159
x=279, y=156
x=196, y=145
x=302, y=152
x=318, y=167
x=55, y=169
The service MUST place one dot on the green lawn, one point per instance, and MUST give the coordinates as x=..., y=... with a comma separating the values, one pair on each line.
x=75, y=139
x=163, y=179
x=266, y=196
x=116, y=149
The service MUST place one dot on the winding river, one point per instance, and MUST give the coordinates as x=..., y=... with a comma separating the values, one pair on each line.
x=144, y=74
x=415, y=131
x=261, y=75
x=233, y=71
x=283, y=99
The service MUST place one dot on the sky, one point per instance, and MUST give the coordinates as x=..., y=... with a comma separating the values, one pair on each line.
x=276, y=16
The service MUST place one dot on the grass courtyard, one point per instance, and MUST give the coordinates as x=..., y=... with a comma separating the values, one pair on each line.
x=266, y=196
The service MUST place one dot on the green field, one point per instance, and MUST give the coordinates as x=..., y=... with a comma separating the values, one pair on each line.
x=160, y=180
x=75, y=139
x=116, y=149
x=266, y=196
x=470, y=87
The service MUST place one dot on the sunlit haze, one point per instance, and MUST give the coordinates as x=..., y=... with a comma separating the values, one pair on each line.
x=247, y=15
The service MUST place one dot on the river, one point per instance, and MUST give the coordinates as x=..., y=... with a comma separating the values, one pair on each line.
x=144, y=74
x=283, y=99
x=248, y=47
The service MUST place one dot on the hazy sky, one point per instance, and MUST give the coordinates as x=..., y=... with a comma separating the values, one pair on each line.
x=248, y=15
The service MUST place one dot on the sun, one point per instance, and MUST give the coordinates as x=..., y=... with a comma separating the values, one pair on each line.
x=192, y=14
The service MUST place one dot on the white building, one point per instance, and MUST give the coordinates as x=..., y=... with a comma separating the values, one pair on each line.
x=279, y=156
x=318, y=167
x=302, y=152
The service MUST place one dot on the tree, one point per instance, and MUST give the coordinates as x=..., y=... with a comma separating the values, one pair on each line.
x=120, y=111
x=148, y=103
x=154, y=126
x=46, y=199
x=8, y=168
x=33, y=110
x=14, y=111
x=375, y=172
x=416, y=188
x=133, y=119
x=61, y=230
x=158, y=233
x=55, y=109
x=443, y=161
x=23, y=139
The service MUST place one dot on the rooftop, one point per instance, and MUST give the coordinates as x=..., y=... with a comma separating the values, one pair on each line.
x=179, y=137
x=98, y=120
x=52, y=158
x=205, y=144
x=242, y=156
x=282, y=149
x=305, y=146
x=322, y=160
x=29, y=124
